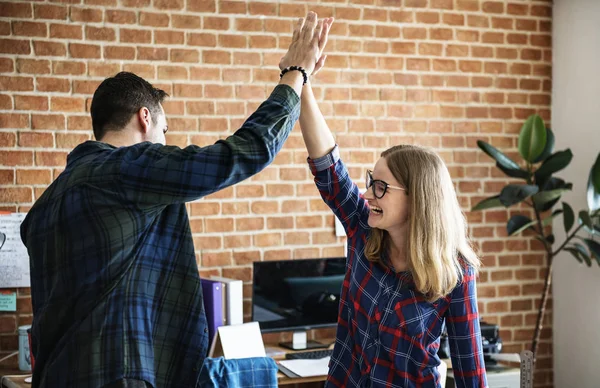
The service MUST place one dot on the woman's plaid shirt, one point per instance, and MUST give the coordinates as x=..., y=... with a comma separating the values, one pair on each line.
x=387, y=334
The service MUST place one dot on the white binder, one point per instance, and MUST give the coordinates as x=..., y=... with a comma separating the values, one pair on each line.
x=234, y=292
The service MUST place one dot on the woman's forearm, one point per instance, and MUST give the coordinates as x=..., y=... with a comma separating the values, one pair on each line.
x=317, y=135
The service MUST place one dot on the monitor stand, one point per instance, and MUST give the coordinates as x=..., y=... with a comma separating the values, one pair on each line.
x=299, y=342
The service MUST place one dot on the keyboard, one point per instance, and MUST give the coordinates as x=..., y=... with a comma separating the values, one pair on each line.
x=311, y=355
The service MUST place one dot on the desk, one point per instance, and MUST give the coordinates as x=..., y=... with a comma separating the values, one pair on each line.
x=14, y=382
x=278, y=353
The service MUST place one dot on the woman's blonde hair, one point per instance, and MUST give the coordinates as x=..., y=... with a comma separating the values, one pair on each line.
x=438, y=248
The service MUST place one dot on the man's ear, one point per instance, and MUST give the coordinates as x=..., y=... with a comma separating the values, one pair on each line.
x=145, y=119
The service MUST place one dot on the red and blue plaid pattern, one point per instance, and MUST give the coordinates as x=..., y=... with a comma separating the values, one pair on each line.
x=388, y=335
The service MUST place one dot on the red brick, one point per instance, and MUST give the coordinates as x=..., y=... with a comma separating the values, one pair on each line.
x=15, y=194
x=100, y=33
x=153, y=53
x=14, y=46
x=45, y=84
x=67, y=104
x=29, y=29
x=236, y=41
x=50, y=11
x=120, y=17
x=33, y=66
x=49, y=48
x=36, y=139
x=15, y=10
x=172, y=72
x=66, y=31
x=414, y=33
x=34, y=177
x=215, y=23
x=16, y=158
x=88, y=51
x=216, y=57
x=201, y=6
x=47, y=121
x=55, y=158
x=517, y=9
x=169, y=4
x=135, y=36
x=31, y=102
x=14, y=120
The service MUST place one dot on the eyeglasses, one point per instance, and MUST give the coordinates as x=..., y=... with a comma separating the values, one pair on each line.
x=379, y=187
x=165, y=130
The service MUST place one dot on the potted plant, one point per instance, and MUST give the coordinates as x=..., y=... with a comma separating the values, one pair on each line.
x=540, y=193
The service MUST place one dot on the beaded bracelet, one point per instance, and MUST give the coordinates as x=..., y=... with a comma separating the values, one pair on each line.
x=300, y=69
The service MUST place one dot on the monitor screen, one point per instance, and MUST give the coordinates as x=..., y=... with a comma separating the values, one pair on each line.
x=297, y=294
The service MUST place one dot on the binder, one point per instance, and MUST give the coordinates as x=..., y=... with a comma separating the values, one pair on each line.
x=234, y=291
x=213, y=305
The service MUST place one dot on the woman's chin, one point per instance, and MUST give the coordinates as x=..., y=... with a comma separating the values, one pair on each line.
x=373, y=220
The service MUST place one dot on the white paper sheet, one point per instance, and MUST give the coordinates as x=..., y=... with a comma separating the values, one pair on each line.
x=14, y=260
x=308, y=368
x=242, y=341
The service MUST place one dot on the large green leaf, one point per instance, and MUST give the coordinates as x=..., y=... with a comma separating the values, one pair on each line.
x=585, y=219
x=549, y=147
x=532, y=139
x=575, y=254
x=593, y=191
x=488, y=203
x=495, y=153
x=552, y=184
x=512, y=194
x=568, y=217
x=518, y=223
x=513, y=173
x=583, y=253
x=543, y=197
x=554, y=163
x=594, y=247
x=548, y=220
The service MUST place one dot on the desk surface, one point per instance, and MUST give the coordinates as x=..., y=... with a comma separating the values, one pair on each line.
x=14, y=382
x=278, y=353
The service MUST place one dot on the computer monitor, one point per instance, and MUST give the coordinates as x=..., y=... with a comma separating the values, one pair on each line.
x=297, y=295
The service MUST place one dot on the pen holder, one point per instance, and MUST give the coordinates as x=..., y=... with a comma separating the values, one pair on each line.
x=24, y=353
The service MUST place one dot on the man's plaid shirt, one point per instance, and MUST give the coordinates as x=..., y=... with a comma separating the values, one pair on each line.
x=114, y=281
x=388, y=335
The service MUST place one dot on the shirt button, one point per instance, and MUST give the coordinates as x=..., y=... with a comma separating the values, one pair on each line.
x=206, y=329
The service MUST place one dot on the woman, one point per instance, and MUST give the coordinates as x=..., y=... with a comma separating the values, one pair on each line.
x=409, y=269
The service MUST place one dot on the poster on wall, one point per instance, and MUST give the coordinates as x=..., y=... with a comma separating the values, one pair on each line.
x=14, y=260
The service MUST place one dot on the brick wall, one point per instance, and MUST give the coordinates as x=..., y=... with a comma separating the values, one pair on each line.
x=441, y=73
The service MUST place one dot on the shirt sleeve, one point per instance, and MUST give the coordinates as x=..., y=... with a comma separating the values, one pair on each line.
x=159, y=174
x=338, y=191
x=464, y=335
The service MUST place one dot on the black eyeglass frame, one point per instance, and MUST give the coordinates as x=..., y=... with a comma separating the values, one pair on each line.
x=370, y=182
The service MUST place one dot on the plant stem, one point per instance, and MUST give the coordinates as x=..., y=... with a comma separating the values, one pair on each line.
x=567, y=240
x=542, y=311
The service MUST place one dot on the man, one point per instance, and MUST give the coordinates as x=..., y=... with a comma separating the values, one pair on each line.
x=116, y=294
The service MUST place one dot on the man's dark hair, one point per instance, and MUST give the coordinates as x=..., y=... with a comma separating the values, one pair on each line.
x=118, y=98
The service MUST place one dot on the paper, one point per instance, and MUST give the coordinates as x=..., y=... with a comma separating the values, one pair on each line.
x=14, y=260
x=307, y=368
x=8, y=300
x=241, y=341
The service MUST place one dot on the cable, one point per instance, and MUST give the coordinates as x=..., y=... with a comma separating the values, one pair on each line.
x=9, y=356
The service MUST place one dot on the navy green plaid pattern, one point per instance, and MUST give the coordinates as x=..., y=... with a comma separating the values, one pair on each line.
x=388, y=335
x=114, y=281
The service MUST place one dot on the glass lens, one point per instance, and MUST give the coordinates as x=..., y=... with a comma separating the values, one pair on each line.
x=379, y=188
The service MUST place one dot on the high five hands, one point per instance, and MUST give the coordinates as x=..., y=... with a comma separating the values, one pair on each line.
x=308, y=42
